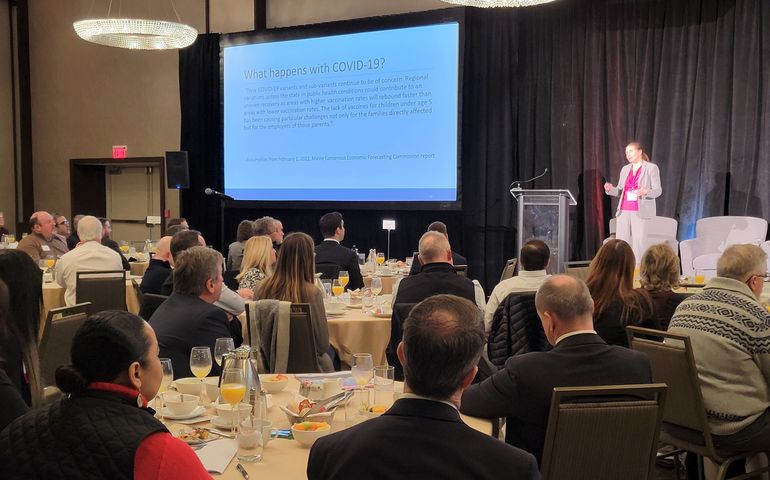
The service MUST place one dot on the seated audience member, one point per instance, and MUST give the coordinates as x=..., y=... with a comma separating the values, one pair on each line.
x=103, y=429
x=439, y=227
x=616, y=303
x=522, y=390
x=424, y=423
x=293, y=281
x=270, y=227
x=108, y=242
x=174, y=229
x=159, y=268
x=332, y=251
x=3, y=229
x=73, y=239
x=188, y=318
x=89, y=256
x=181, y=221
x=533, y=259
x=730, y=330
x=258, y=261
x=20, y=302
x=659, y=275
x=61, y=232
x=437, y=275
x=235, y=250
x=38, y=243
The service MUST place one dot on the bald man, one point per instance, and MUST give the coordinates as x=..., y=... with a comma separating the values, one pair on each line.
x=159, y=268
x=38, y=243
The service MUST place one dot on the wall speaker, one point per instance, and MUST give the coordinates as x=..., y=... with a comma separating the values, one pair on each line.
x=177, y=170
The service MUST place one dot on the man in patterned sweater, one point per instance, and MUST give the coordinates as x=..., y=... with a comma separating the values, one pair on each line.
x=730, y=334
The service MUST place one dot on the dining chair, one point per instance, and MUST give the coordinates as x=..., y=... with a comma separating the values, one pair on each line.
x=55, y=345
x=603, y=432
x=150, y=303
x=508, y=269
x=106, y=290
x=578, y=269
x=292, y=345
x=58, y=313
x=461, y=270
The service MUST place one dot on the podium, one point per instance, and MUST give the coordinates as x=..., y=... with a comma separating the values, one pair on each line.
x=544, y=215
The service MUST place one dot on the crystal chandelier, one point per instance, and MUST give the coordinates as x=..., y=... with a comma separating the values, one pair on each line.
x=497, y=3
x=136, y=33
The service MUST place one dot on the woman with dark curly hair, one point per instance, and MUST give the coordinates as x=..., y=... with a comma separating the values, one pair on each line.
x=102, y=428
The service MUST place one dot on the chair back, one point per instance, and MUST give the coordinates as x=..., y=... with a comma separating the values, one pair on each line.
x=508, y=269
x=461, y=270
x=579, y=269
x=516, y=328
x=603, y=433
x=56, y=314
x=283, y=347
x=328, y=270
x=673, y=363
x=150, y=303
x=56, y=343
x=712, y=232
x=302, y=348
x=106, y=290
x=229, y=278
x=397, y=319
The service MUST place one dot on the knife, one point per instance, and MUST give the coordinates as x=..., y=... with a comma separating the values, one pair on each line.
x=242, y=471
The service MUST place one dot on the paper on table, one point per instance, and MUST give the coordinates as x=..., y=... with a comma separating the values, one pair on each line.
x=216, y=456
x=310, y=376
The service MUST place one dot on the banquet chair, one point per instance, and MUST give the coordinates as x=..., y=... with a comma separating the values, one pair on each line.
x=56, y=314
x=397, y=319
x=278, y=345
x=56, y=342
x=578, y=269
x=685, y=425
x=229, y=278
x=328, y=270
x=150, y=303
x=603, y=432
x=106, y=290
x=508, y=269
x=515, y=329
x=461, y=270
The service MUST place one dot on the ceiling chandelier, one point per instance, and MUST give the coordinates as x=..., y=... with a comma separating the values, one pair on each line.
x=497, y=3
x=136, y=33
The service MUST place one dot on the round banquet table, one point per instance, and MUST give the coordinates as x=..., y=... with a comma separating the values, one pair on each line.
x=284, y=458
x=356, y=332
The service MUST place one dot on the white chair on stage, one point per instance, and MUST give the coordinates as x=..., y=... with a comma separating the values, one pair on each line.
x=659, y=230
x=712, y=236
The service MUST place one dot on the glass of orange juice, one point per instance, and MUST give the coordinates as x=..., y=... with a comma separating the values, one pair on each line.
x=380, y=258
x=233, y=389
x=700, y=277
x=344, y=278
x=337, y=288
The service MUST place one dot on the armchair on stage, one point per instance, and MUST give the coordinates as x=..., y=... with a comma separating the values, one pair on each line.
x=713, y=235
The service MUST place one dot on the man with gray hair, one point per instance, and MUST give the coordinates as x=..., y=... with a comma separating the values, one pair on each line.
x=522, y=390
x=441, y=345
x=88, y=256
x=269, y=227
x=188, y=317
x=437, y=275
x=730, y=334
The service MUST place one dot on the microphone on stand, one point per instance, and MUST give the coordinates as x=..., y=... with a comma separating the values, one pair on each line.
x=211, y=191
x=517, y=183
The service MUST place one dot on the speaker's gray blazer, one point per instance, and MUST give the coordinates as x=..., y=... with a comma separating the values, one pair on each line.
x=650, y=180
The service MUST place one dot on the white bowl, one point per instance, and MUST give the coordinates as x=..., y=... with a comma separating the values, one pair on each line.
x=327, y=416
x=212, y=387
x=307, y=438
x=273, y=386
x=225, y=410
x=189, y=385
x=180, y=404
x=334, y=307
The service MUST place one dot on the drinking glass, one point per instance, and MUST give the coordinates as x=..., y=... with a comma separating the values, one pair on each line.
x=380, y=258
x=363, y=368
x=327, y=284
x=251, y=440
x=357, y=407
x=383, y=387
x=376, y=285
x=223, y=345
x=232, y=390
x=700, y=277
x=168, y=377
x=343, y=278
x=124, y=246
x=200, y=364
x=367, y=301
x=337, y=288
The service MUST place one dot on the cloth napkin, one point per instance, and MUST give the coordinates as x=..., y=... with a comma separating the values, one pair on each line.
x=216, y=455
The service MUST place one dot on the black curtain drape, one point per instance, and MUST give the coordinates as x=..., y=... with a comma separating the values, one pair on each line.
x=565, y=85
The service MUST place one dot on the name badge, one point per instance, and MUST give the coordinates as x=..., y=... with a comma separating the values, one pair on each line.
x=46, y=248
x=631, y=196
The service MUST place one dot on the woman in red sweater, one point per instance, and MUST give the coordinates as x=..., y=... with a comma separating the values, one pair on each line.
x=103, y=428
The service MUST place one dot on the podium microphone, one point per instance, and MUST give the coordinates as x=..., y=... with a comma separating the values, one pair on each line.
x=517, y=183
x=211, y=191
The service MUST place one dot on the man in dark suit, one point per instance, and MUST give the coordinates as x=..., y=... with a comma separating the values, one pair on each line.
x=440, y=227
x=331, y=251
x=188, y=318
x=522, y=390
x=437, y=275
x=422, y=435
x=159, y=269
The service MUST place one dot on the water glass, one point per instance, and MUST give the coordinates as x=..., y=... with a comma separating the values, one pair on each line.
x=357, y=407
x=327, y=284
x=363, y=368
x=223, y=345
x=251, y=440
x=383, y=386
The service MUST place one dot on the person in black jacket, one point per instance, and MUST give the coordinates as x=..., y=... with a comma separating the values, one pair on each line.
x=107, y=241
x=422, y=435
x=331, y=251
x=159, y=269
x=522, y=390
x=439, y=227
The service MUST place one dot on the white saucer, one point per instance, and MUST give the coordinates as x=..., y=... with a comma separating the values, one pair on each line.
x=222, y=423
x=357, y=305
x=171, y=416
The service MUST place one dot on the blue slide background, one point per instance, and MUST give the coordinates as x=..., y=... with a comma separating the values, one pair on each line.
x=252, y=168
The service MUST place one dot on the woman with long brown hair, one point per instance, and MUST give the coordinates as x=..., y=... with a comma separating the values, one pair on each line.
x=294, y=281
x=616, y=303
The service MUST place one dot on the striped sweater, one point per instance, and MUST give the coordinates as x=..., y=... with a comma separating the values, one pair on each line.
x=730, y=334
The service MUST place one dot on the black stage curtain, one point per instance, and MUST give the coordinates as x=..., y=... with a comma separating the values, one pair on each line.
x=566, y=86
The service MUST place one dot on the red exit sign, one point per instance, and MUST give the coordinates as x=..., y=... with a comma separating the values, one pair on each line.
x=119, y=151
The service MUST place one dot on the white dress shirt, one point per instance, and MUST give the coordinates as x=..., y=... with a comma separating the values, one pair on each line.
x=525, y=281
x=90, y=256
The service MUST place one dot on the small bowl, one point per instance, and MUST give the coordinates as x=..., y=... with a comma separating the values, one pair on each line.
x=307, y=438
x=225, y=410
x=188, y=385
x=272, y=385
x=180, y=404
x=212, y=387
x=293, y=418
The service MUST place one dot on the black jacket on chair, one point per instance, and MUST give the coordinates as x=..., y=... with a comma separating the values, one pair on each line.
x=522, y=390
x=516, y=329
x=329, y=251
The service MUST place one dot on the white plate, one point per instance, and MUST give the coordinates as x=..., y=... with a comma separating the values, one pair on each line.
x=222, y=423
x=171, y=416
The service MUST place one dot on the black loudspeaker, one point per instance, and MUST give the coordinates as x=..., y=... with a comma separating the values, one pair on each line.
x=177, y=170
